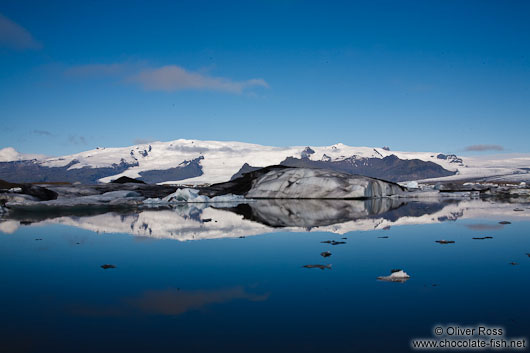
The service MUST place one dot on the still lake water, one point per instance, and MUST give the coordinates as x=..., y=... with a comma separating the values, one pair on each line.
x=186, y=282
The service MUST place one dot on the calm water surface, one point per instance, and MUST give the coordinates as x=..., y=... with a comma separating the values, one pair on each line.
x=252, y=294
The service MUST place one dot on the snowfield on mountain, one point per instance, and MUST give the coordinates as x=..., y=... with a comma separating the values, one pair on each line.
x=194, y=162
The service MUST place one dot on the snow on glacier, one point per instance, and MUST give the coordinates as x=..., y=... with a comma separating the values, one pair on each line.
x=224, y=159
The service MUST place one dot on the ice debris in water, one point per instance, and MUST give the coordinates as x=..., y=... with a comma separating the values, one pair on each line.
x=322, y=267
x=395, y=276
x=412, y=185
x=186, y=195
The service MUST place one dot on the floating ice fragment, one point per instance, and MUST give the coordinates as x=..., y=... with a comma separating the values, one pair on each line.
x=322, y=267
x=395, y=276
x=187, y=195
x=412, y=185
x=445, y=241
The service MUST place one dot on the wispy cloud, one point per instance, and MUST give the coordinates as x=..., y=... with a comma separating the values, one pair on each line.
x=77, y=140
x=168, y=78
x=14, y=36
x=484, y=148
x=142, y=141
x=484, y=226
x=42, y=133
x=175, y=78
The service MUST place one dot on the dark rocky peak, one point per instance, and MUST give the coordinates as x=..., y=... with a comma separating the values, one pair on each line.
x=307, y=152
x=452, y=158
x=195, y=161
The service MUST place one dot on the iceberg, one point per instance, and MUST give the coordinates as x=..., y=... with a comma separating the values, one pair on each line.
x=186, y=195
x=396, y=276
x=305, y=183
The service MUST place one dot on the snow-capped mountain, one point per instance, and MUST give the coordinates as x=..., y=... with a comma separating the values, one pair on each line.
x=206, y=162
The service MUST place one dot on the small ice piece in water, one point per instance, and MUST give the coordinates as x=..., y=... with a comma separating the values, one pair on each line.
x=397, y=275
x=179, y=196
x=412, y=185
x=322, y=267
x=325, y=254
x=337, y=242
x=15, y=190
x=443, y=241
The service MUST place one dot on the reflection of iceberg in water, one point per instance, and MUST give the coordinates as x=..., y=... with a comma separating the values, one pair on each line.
x=199, y=221
x=313, y=213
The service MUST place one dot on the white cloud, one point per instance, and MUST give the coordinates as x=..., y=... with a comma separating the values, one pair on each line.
x=165, y=78
x=176, y=78
x=15, y=36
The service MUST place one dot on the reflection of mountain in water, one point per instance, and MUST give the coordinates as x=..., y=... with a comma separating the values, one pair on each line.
x=198, y=221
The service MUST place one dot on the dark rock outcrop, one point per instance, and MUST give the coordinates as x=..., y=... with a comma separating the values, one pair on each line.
x=33, y=172
x=246, y=168
x=39, y=192
x=388, y=168
x=185, y=170
x=124, y=180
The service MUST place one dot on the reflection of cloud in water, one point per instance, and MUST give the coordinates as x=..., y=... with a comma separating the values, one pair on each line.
x=176, y=302
x=484, y=226
x=8, y=227
x=168, y=302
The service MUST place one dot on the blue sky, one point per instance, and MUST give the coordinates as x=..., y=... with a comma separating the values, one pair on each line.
x=412, y=75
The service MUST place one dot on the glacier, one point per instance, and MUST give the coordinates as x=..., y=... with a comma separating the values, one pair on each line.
x=196, y=162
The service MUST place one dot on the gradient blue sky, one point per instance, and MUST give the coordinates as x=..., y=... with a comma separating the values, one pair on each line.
x=412, y=75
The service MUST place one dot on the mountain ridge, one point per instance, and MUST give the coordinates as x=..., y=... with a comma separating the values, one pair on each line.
x=194, y=162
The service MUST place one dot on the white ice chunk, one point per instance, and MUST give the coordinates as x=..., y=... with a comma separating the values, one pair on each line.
x=180, y=196
x=186, y=195
x=396, y=276
x=412, y=185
